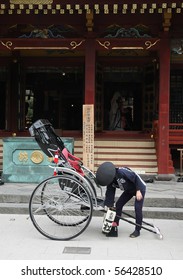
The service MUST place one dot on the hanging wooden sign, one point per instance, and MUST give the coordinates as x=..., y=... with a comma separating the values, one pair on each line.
x=88, y=136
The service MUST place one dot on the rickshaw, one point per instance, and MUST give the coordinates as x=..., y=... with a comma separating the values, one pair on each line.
x=61, y=206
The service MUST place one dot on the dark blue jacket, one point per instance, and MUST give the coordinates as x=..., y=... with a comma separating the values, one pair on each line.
x=129, y=180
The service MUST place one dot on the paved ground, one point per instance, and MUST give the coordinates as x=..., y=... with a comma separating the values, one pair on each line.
x=20, y=241
x=24, y=251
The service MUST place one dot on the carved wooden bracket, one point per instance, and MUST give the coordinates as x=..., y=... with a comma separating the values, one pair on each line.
x=167, y=21
x=47, y=44
x=89, y=20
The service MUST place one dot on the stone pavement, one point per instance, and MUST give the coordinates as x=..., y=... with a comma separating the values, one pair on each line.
x=20, y=240
x=22, y=246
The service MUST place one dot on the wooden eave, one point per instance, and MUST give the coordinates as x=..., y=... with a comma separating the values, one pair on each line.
x=86, y=15
x=90, y=19
x=101, y=6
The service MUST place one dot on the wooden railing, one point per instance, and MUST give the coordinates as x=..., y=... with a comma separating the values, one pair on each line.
x=175, y=126
x=176, y=134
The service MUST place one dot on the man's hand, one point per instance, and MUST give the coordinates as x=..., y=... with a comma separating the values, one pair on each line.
x=139, y=195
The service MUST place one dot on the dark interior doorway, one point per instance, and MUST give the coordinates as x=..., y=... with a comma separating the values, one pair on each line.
x=55, y=95
x=124, y=98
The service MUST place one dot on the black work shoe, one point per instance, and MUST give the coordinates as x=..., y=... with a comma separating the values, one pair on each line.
x=113, y=232
x=136, y=233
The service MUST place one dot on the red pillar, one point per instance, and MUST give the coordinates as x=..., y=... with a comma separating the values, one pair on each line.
x=90, y=59
x=164, y=93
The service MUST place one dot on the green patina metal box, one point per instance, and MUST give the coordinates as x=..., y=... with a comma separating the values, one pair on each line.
x=24, y=161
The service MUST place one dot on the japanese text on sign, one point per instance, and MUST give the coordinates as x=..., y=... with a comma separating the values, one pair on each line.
x=88, y=136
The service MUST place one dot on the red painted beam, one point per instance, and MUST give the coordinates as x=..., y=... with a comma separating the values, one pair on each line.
x=90, y=59
x=11, y=44
x=164, y=93
x=127, y=43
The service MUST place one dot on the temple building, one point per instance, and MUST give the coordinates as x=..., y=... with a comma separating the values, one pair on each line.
x=123, y=57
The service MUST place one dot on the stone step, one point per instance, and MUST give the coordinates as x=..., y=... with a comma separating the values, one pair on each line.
x=163, y=200
x=127, y=142
x=14, y=208
x=14, y=198
x=148, y=212
x=166, y=202
x=138, y=154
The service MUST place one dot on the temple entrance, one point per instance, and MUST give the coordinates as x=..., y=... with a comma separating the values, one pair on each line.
x=123, y=98
x=56, y=95
x=123, y=106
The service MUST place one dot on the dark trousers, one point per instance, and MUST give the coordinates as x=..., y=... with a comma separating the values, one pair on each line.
x=123, y=199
